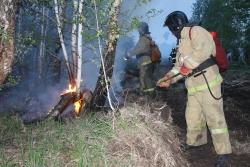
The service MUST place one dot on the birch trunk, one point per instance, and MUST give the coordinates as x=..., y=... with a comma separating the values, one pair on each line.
x=105, y=74
x=7, y=23
x=79, y=51
x=73, y=38
x=59, y=26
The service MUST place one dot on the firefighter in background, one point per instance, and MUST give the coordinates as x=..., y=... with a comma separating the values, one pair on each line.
x=172, y=56
x=202, y=108
x=145, y=65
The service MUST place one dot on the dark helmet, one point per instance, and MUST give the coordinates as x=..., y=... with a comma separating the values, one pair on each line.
x=176, y=21
x=173, y=48
x=143, y=28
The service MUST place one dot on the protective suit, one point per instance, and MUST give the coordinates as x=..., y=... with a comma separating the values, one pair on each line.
x=202, y=109
x=145, y=65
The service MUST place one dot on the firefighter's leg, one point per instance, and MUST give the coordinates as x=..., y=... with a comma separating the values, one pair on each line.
x=141, y=78
x=213, y=110
x=196, y=123
x=146, y=78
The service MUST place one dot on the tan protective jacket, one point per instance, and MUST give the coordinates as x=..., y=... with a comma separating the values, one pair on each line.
x=192, y=52
x=142, y=50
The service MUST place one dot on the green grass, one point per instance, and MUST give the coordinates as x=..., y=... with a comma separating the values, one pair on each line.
x=89, y=141
x=81, y=142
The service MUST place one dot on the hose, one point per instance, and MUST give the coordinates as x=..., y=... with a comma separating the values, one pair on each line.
x=209, y=87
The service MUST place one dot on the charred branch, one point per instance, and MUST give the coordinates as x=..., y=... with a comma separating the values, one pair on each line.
x=66, y=100
x=57, y=112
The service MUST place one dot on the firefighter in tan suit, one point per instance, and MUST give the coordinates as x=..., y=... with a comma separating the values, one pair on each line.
x=202, y=110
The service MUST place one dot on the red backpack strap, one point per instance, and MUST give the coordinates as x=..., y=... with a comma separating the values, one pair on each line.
x=190, y=33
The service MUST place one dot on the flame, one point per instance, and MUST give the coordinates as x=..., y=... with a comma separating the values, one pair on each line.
x=77, y=104
x=71, y=89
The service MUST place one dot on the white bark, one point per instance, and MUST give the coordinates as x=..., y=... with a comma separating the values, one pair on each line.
x=79, y=51
x=73, y=39
x=59, y=28
x=60, y=31
x=7, y=20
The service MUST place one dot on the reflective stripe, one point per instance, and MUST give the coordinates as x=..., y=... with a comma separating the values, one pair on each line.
x=174, y=71
x=217, y=131
x=191, y=61
x=145, y=63
x=202, y=87
x=197, y=127
x=148, y=90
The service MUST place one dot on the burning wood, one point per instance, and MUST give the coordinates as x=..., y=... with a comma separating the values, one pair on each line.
x=66, y=100
x=82, y=105
x=85, y=99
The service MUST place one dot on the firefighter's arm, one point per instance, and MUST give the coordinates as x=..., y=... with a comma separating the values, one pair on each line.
x=171, y=77
x=141, y=47
x=164, y=82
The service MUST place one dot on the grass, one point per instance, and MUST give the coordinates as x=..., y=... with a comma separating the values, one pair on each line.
x=77, y=143
x=131, y=139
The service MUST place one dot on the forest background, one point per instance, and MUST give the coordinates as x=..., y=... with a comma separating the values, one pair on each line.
x=34, y=57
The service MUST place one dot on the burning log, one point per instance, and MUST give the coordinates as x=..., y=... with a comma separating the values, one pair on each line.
x=85, y=99
x=66, y=100
x=81, y=106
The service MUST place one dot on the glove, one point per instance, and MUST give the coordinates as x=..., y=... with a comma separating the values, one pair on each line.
x=126, y=57
x=184, y=70
x=164, y=82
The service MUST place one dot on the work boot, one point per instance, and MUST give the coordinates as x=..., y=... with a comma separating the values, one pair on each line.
x=187, y=147
x=221, y=160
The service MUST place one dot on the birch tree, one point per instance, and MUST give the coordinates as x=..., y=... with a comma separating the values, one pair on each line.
x=7, y=21
x=75, y=78
x=60, y=33
x=73, y=38
x=107, y=57
x=79, y=51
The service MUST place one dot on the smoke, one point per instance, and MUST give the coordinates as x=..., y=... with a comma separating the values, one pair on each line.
x=42, y=102
x=163, y=37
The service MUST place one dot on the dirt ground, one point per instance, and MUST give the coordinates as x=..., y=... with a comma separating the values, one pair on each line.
x=236, y=100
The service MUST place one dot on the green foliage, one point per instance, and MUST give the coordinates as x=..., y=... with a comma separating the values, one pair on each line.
x=230, y=19
x=10, y=81
x=7, y=36
x=28, y=34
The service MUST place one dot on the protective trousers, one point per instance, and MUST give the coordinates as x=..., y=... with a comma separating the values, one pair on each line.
x=146, y=76
x=204, y=111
